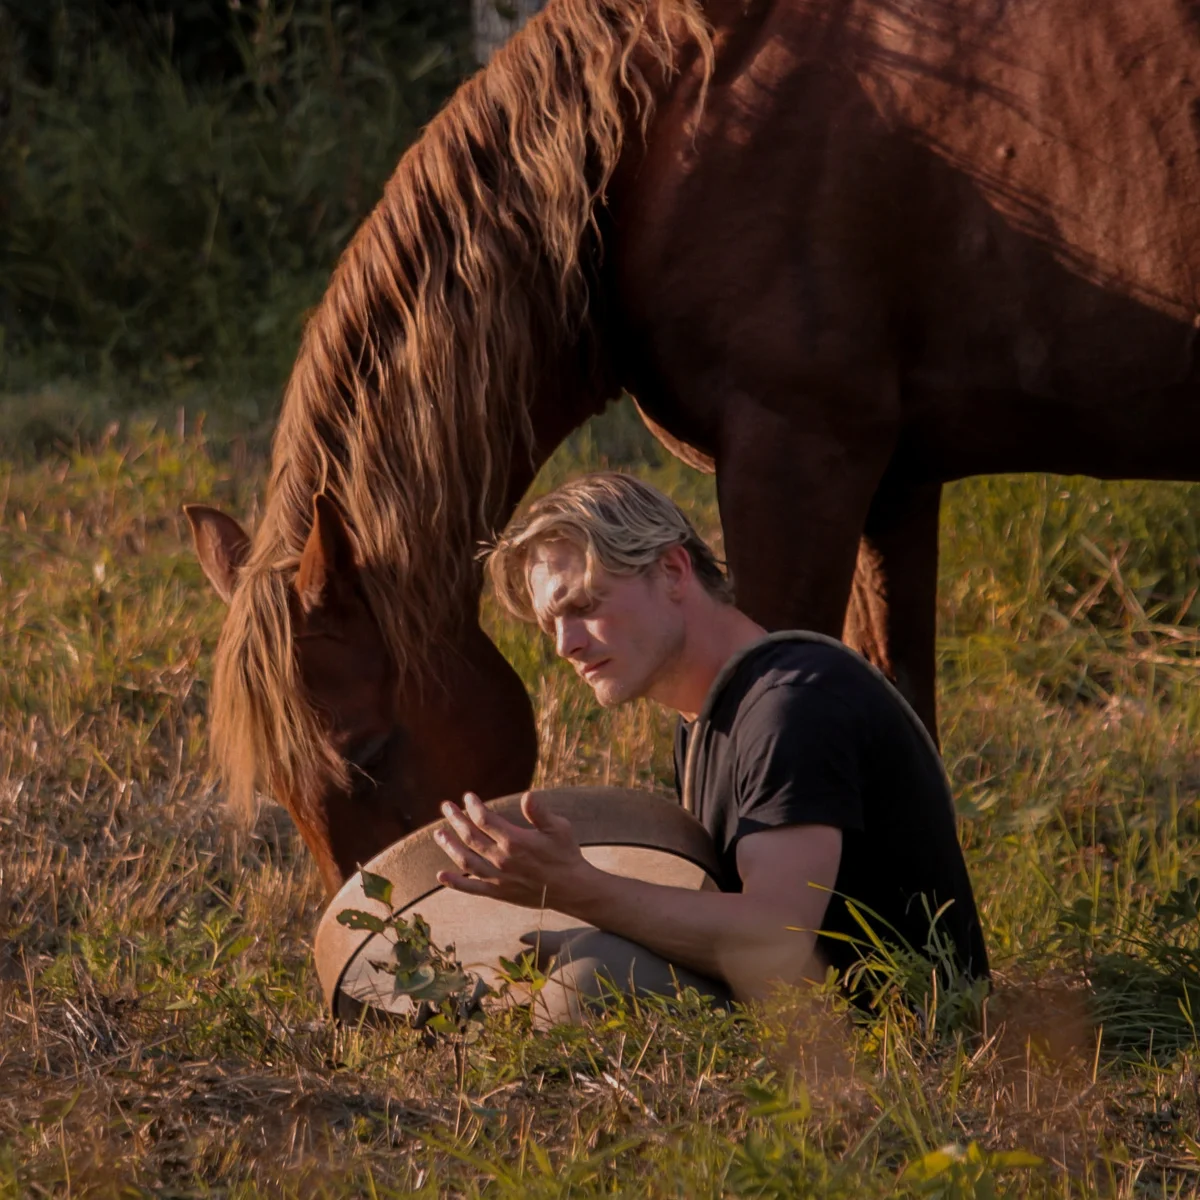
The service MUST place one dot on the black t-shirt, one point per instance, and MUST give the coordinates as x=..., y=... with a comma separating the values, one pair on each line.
x=806, y=734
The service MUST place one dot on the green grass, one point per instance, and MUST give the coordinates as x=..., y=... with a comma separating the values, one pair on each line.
x=161, y=1031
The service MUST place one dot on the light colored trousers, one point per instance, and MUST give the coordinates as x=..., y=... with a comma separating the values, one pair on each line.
x=590, y=964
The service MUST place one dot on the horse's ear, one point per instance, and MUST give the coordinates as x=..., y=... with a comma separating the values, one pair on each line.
x=221, y=546
x=328, y=570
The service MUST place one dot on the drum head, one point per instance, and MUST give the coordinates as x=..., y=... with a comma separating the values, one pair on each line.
x=628, y=833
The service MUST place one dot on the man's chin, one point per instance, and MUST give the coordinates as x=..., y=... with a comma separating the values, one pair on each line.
x=609, y=693
x=606, y=697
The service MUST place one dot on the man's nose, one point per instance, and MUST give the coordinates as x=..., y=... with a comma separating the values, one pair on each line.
x=570, y=637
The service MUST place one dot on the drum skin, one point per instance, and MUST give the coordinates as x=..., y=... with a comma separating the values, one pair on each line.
x=630, y=833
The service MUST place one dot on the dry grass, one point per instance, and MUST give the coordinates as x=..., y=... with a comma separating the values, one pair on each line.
x=160, y=1027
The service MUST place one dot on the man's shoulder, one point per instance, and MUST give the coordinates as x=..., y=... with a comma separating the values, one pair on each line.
x=787, y=673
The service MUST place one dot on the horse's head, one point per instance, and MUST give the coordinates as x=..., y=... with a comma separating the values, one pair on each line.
x=406, y=745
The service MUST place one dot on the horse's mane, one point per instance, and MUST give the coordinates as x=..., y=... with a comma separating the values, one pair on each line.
x=408, y=399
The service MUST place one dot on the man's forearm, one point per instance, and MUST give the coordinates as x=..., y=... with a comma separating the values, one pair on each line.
x=751, y=939
x=742, y=939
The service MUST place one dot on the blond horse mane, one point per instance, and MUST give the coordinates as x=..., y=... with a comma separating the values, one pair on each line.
x=408, y=399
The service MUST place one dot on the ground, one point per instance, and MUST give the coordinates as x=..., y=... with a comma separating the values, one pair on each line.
x=161, y=1028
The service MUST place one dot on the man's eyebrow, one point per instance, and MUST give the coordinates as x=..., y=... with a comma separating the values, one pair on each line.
x=562, y=599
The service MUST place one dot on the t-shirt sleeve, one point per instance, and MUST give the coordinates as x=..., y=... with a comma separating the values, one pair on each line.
x=797, y=762
x=681, y=741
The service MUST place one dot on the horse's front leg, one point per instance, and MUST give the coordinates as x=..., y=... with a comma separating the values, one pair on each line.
x=795, y=489
x=891, y=617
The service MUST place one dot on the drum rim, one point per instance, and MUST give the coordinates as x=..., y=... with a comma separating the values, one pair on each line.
x=328, y=918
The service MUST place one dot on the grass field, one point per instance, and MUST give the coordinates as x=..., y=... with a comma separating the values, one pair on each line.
x=161, y=1031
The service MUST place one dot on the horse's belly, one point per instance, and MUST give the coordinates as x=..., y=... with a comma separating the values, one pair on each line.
x=951, y=434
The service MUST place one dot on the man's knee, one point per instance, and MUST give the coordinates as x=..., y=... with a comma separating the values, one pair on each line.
x=586, y=968
x=594, y=964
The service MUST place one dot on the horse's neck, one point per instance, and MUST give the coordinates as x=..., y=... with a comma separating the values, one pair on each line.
x=560, y=408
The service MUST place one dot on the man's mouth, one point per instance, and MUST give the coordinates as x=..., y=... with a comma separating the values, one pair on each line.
x=591, y=668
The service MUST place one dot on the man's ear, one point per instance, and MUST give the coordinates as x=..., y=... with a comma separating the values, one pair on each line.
x=328, y=571
x=676, y=566
x=222, y=546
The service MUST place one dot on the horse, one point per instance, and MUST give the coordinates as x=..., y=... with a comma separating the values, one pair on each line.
x=841, y=252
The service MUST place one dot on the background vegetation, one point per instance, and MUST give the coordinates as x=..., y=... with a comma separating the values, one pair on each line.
x=160, y=1027
x=177, y=177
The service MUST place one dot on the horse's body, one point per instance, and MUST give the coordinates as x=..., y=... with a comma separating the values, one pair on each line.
x=862, y=249
x=915, y=241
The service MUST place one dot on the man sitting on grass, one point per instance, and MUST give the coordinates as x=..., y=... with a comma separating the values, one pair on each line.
x=814, y=781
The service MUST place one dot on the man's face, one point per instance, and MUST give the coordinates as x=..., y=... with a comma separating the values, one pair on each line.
x=622, y=636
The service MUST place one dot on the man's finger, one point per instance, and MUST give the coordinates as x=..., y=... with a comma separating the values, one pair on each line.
x=501, y=832
x=463, y=856
x=540, y=817
x=467, y=883
x=468, y=832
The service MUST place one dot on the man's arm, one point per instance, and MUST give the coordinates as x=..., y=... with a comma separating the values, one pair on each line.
x=764, y=935
x=752, y=939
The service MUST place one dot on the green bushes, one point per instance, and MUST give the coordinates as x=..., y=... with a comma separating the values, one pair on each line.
x=161, y=223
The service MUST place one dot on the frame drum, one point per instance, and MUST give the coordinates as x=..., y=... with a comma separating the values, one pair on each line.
x=625, y=832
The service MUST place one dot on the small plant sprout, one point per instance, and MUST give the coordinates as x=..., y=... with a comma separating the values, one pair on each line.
x=446, y=995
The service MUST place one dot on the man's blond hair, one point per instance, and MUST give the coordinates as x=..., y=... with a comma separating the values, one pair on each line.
x=618, y=522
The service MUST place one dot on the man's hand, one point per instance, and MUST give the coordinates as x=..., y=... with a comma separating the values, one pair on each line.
x=541, y=867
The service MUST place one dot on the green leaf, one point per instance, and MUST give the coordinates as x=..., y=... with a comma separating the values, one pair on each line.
x=930, y=1166
x=938, y=1162
x=412, y=982
x=237, y=947
x=377, y=887
x=541, y=1158
x=59, y=1111
x=1005, y=1159
x=355, y=918
x=440, y=987
x=408, y=957
x=440, y=1023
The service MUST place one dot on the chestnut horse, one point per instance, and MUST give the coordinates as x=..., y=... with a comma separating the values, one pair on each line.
x=842, y=251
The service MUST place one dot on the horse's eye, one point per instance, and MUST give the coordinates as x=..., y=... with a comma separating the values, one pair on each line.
x=370, y=754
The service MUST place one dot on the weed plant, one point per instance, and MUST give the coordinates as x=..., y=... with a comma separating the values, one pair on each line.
x=161, y=1031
